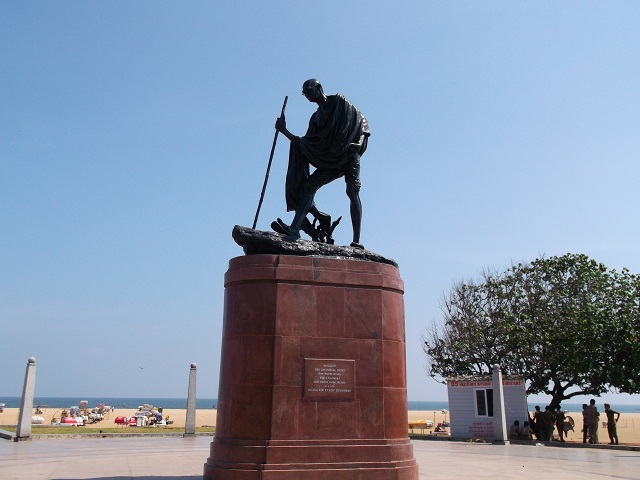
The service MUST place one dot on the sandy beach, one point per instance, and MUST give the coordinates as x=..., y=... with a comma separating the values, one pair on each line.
x=178, y=416
x=628, y=426
x=204, y=418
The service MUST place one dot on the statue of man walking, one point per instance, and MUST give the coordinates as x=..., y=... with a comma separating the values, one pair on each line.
x=335, y=140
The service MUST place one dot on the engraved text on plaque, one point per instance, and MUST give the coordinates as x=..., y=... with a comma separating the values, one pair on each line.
x=329, y=379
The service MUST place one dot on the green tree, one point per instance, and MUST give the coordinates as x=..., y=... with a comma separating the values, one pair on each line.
x=567, y=324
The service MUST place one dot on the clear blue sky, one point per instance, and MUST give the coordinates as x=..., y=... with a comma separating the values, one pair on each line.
x=135, y=135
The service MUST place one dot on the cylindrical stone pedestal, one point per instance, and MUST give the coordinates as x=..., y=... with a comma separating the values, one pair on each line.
x=312, y=377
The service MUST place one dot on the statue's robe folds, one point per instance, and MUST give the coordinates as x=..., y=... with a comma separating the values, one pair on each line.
x=334, y=126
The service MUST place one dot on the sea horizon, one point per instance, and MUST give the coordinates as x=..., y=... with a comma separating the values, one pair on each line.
x=210, y=403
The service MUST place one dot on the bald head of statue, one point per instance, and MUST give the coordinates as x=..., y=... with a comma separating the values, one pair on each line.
x=312, y=90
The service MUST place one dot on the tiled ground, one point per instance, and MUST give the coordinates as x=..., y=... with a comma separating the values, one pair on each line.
x=177, y=458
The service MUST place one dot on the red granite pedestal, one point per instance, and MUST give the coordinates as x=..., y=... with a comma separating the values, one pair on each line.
x=312, y=377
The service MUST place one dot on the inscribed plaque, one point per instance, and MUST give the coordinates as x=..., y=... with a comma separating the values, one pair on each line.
x=329, y=379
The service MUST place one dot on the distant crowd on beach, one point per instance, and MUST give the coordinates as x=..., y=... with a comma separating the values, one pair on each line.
x=543, y=423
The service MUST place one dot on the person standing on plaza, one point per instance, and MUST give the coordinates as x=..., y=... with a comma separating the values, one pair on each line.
x=612, y=427
x=538, y=421
x=585, y=423
x=560, y=423
x=549, y=422
x=592, y=421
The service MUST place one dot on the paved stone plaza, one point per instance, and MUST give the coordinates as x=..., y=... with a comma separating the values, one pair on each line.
x=177, y=458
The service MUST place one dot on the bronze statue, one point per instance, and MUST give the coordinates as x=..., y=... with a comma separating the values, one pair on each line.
x=335, y=140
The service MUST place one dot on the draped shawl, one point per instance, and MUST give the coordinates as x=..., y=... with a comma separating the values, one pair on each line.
x=334, y=126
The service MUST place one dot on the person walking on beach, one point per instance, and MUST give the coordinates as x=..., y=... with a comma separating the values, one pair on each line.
x=612, y=428
x=592, y=421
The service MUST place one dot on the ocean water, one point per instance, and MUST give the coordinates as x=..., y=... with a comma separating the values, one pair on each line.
x=415, y=405
x=205, y=403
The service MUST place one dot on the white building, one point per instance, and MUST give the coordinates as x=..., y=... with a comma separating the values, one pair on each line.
x=471, y=405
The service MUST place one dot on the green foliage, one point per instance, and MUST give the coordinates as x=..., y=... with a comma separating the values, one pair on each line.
x=567, y=324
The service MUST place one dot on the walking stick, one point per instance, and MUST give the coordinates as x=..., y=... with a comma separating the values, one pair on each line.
x=266, y=177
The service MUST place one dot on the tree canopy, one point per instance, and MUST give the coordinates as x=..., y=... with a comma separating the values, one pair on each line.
x=568, y=325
